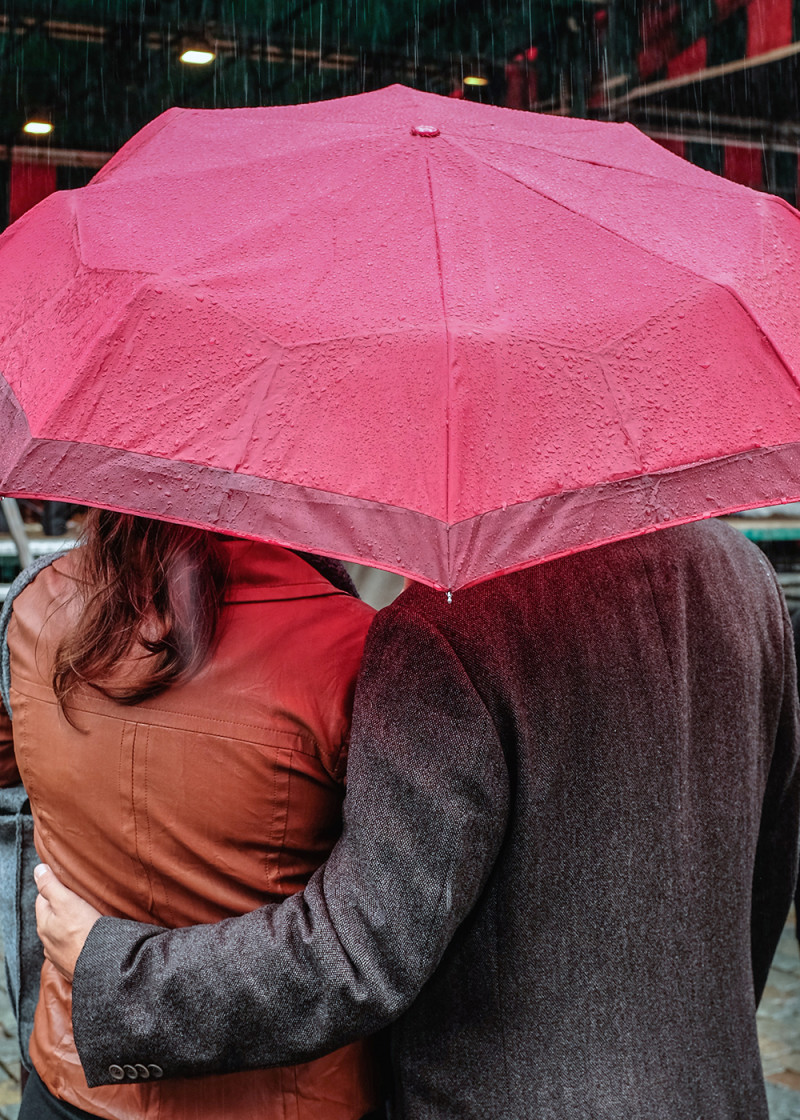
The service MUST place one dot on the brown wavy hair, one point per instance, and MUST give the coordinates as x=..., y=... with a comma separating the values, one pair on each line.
x=150, y=590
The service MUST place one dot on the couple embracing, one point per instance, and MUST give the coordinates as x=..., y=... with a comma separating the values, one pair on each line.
x=540, y=877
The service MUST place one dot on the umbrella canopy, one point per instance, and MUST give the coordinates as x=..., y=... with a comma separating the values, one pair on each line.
x=441, y=338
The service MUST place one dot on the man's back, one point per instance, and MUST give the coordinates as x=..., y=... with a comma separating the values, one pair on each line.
x=605, y=971
x=567, y=791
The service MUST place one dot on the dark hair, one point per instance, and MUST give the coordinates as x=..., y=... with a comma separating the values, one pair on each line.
x=149, y=589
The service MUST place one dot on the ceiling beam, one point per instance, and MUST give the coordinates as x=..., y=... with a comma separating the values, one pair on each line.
x=707, y=74
x=280, y=51
x=55, y=157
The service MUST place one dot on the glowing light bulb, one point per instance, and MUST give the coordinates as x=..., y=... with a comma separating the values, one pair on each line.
x=37, y=128
x=475, y=80
x=196, y=57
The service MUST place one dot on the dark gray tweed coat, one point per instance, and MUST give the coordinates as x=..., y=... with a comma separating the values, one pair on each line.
x=570, y=847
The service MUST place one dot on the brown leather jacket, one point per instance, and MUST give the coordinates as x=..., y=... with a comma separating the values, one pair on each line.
x=218, y=795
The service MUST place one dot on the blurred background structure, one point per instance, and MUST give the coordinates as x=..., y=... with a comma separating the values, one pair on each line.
x=714, y=80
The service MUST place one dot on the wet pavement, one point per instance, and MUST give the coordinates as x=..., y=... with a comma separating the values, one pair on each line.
x=778, y=1030
x=9, y=1057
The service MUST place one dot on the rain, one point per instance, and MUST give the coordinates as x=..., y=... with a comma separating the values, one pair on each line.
x=714, y=83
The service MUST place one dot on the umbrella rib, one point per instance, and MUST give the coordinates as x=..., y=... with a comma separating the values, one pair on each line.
x=642, y=248
x=580, y=214
x=138, y=141
x=755, y=319
x=449, y=342
x=722, y=188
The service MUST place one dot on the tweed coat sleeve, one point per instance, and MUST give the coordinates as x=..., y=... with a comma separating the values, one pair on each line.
x=425, y=814
x=776, y=863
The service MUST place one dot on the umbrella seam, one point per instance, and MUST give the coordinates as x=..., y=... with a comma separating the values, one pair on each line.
x=727, y=187
x=449, y=344
x=259, y=162
x=47, y=303
x=136, y=144
x=97, y=343
x=245, y=445
x=620, y=412
x=652, y=479
x=594, y=221
x=77, y=240
x=754, y=319
x=720, y=284
x=163, y=460
x=416, y=575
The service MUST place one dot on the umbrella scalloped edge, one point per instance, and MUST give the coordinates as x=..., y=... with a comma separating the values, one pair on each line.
x=424, y=548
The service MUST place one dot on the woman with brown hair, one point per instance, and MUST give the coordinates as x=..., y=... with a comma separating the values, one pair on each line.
x=181, y=706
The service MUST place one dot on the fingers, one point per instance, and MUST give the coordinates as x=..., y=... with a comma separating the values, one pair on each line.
x=48, y=885
x=63, y=920
x=44, y=912
x=67, y=907
x=44, y=920
x=46, y=916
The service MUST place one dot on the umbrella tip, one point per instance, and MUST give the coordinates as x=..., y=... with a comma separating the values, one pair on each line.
x=449, y=596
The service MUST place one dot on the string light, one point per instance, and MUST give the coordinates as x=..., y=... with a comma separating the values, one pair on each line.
x=197, y=56
x=37, y=127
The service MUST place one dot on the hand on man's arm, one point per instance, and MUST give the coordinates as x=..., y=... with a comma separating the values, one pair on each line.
x=63, y=920
x=425, y=814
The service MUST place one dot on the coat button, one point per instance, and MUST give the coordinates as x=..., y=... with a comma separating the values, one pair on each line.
x=156, y=1071
x=116, y=1073
x=130, y=1073
x=143, y=1071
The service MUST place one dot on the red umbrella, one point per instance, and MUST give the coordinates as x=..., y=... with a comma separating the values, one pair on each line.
x=440, y=338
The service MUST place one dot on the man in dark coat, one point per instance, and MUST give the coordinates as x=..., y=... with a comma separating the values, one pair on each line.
x=570, y=847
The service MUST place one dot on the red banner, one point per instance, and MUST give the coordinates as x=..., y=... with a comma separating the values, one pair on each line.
x=677, y=147
x=744, y=165
x=769, y=25
x=29, y=184
x=691, y=60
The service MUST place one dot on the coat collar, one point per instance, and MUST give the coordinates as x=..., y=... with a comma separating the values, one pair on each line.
x=259, y=572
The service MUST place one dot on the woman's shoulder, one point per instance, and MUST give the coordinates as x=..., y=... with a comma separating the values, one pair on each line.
x=48, y=584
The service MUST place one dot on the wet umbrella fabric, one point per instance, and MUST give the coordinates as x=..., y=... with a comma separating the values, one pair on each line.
x=441, y=338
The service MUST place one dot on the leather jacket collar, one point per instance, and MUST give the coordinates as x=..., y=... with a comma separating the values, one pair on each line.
x=260, y=572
